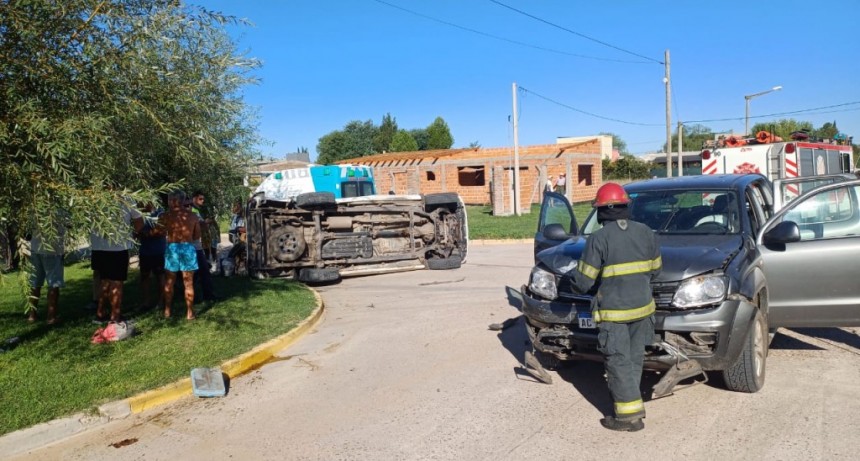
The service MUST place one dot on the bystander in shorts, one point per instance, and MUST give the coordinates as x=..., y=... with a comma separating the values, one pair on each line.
x=47, y=268
x=111, y=265
x=151, y=264
x=180, y=257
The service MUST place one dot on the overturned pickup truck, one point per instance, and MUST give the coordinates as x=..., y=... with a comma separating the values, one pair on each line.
x=320, y=223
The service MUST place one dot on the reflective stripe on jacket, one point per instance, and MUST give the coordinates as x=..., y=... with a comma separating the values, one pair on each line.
x=624, y=256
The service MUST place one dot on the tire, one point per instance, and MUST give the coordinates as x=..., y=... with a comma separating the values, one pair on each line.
x=451, y=262
x=747, y=374
x=287, y=244
x=314, y=275
x=314, y=200
x=447, y=199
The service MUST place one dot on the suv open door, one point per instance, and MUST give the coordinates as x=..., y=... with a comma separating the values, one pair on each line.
x=809, y=250
x=557, y=222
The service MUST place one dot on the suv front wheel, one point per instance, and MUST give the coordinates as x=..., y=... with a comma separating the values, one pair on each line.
x=748, y=372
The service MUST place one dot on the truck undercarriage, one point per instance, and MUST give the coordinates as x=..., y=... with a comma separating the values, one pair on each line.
x=317, y=239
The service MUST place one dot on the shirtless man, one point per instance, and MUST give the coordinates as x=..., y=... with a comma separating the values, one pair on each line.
x=183, y=228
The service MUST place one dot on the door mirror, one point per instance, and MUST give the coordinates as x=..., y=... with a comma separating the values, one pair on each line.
x=555, y=232
x=784, y=232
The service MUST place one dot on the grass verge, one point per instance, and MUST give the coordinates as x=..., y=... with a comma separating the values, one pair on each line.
x=54, y=371
x=483, y=225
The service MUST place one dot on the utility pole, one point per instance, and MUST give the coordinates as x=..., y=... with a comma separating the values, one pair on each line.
x=680, y=149
x=668, y=81
x=516, y=197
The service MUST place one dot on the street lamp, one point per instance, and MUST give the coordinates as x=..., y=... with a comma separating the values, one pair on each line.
x=750, y=96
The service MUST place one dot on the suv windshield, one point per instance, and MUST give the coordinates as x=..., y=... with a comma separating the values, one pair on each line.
x=681, y=212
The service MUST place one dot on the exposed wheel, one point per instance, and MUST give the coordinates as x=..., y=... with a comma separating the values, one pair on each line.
x=311, y=200
x=748, y=372
x=315, y=275
x=451, y=262
x=287, y=244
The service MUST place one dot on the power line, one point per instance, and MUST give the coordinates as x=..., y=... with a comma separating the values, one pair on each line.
x=585, y=112
x=496, y=37
x=575, y=33
x=776, y=114
x=814, y=110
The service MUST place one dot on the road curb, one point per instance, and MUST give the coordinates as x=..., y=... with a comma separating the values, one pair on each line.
x=246, y=362
x=24, y=440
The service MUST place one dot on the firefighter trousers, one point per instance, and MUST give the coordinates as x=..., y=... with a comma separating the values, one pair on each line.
x=623, y=346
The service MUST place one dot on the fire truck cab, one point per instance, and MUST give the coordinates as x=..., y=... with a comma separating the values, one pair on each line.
x=777, y=159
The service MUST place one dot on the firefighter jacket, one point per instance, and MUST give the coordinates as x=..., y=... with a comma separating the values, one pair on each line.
x=624, y=256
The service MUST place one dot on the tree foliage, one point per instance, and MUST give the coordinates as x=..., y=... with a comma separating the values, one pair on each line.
x=626, y=167
x=439, y=135
x=112, y=100
x=694, y=137
x=617, y=143
x=783, y=127
x=358, y=139
x=403, y=142
x=385, y=134
x=421, y=136
x=355, y=140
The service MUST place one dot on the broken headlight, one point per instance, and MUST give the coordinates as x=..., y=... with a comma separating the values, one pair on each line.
x=543, y=283
x=701, y=291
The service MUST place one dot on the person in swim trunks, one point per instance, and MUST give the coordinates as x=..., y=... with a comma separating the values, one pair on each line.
x=180, y=257
x=182, y=228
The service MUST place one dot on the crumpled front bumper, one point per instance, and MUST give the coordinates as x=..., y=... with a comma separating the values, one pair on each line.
x=713, y=336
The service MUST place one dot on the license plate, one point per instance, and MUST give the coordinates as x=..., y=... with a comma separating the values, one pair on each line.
x=585, y=320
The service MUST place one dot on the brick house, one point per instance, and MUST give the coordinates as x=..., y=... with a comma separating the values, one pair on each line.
x=485, y=175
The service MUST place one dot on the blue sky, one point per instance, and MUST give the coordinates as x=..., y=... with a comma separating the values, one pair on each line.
x=327, y=62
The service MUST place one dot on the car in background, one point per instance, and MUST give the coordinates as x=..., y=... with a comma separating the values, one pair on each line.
x=734, y=270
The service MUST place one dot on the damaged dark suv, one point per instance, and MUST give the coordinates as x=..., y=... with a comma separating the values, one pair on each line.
x=734, y=270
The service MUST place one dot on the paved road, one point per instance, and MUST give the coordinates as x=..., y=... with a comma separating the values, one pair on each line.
x=404, y=367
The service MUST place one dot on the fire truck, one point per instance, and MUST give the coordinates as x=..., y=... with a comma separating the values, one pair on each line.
x=770, y=156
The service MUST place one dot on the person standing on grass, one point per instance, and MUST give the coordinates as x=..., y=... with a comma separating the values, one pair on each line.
x=561, y=184
x=110, y=260
x=202, y=276
x=47, y=261
x=183, y=229
x=215, y=231
x=153, y=245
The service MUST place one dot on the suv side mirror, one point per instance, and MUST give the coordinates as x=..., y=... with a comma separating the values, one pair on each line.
x=784, y=232
x=555, y=231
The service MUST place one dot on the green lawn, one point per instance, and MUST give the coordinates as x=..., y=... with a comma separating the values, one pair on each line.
x=56, y=371
x=483, y=225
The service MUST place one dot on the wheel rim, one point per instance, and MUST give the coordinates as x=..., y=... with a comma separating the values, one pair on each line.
x=758, y=339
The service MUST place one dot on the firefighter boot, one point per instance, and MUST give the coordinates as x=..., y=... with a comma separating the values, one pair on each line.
x=633, y=425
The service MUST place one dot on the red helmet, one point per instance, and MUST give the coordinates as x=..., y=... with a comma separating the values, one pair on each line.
x=611, y=194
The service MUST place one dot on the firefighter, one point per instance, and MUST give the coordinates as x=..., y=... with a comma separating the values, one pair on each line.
x=625, y=256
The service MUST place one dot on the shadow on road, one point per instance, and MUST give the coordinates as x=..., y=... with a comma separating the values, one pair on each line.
x=587, y=377
x=784, y=342
x=832, y=334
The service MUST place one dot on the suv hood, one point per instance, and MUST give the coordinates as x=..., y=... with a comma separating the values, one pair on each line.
x=684, y=256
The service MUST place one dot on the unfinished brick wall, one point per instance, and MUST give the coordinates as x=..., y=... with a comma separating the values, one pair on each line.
x=473, y=172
